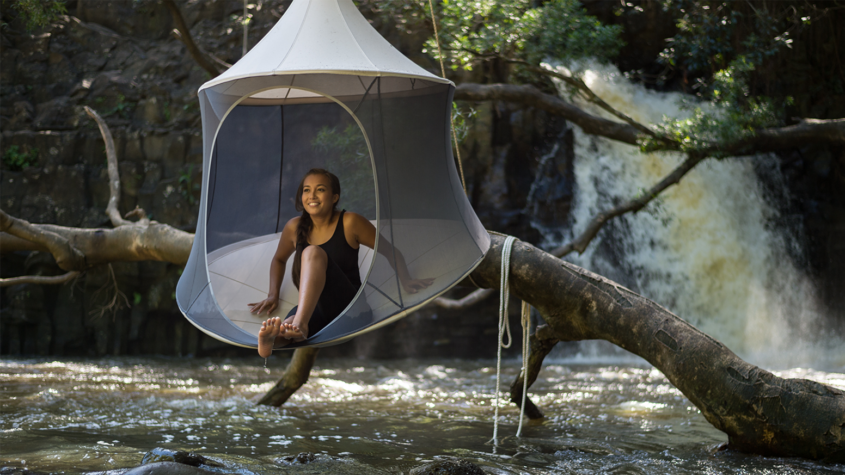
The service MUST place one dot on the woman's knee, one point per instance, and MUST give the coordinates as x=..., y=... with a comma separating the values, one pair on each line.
x=314, y=255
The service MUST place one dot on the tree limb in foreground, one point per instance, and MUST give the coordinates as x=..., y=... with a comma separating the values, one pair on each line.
x=760, y=412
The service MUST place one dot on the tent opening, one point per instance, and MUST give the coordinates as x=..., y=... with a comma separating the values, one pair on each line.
x=259, y=157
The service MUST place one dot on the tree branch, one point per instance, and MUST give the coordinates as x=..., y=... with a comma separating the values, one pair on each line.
x=199, y=56
x=542, y=342
x=39, y=279
x=114, y=174
x=296, y=374
x=635, y=204
x=807, y=132
x=531, y=96
x=67, y=256
x=590, y=96
x=93, y=247
x=467, y=301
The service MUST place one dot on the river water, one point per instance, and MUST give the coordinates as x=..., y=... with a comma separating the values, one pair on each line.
x=362, y=416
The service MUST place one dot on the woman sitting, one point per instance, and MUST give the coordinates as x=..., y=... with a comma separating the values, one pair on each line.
x=325, y=268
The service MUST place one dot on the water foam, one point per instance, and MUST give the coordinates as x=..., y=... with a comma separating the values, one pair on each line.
x=708, y=249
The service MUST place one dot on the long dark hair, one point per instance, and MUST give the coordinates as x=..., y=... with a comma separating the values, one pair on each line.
x=303, y=230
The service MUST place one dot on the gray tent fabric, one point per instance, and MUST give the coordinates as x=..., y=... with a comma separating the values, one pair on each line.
x=324, y=90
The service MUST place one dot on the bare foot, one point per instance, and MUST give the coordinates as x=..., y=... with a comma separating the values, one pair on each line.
x=270, y=330
x=296, y=332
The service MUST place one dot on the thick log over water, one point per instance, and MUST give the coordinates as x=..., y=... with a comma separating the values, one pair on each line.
x=759, y=411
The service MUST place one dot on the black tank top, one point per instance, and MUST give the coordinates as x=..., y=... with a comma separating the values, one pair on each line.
x=340, y=252
x=344, y=255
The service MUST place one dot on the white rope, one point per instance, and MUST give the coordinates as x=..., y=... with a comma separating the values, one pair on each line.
x=505, y=329
x=504, y=295
x=526, y=346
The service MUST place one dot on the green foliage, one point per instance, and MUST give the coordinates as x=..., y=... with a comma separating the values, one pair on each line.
x=722, y=44
x=39, y=13
x=473, y=31
x=733, y=113
x=711, y=34
x=348, y=157
x=461, y=120
x=17, y=160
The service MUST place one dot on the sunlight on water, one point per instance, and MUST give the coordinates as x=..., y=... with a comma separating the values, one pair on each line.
x=707, y=250
x=360, y=417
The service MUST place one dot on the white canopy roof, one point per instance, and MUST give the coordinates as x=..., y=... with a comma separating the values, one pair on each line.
x=323, y=36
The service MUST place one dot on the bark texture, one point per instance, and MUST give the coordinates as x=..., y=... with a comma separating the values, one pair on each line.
x=296, y=374
x=83, y=248
x=760, y=412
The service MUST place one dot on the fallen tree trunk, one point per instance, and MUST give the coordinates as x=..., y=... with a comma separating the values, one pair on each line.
x=760, y=412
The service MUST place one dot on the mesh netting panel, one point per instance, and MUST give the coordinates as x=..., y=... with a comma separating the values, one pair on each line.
x=388, y=140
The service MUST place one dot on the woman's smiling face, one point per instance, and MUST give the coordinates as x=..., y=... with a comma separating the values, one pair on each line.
x=317, y=195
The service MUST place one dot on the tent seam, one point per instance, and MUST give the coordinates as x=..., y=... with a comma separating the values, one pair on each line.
x=357, y=43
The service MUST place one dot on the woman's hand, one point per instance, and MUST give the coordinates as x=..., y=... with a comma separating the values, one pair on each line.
x=269, y=304
x=413, y=286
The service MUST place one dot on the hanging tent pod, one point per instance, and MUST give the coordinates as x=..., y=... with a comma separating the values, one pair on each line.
x=324, y=90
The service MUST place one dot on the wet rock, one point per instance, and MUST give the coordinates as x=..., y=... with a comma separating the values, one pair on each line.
x=18, y=471
x=160, y=454
x=448, y=467
x=168, y=468
x=300, y=458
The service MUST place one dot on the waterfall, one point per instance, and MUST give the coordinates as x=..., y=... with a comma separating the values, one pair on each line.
x=707, y=248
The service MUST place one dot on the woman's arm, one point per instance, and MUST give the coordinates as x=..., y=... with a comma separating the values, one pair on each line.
x=286, y=247
x=365, y=233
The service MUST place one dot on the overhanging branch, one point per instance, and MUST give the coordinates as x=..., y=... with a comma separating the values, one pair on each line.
x=807, y=132
x=67, y=256
x=632, y=205
x=40, y=279
x=531, y=96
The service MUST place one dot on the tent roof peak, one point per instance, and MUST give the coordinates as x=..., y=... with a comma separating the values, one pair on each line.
x=323, y=37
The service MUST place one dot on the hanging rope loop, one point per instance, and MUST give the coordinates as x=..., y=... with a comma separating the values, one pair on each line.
x=505, y=330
